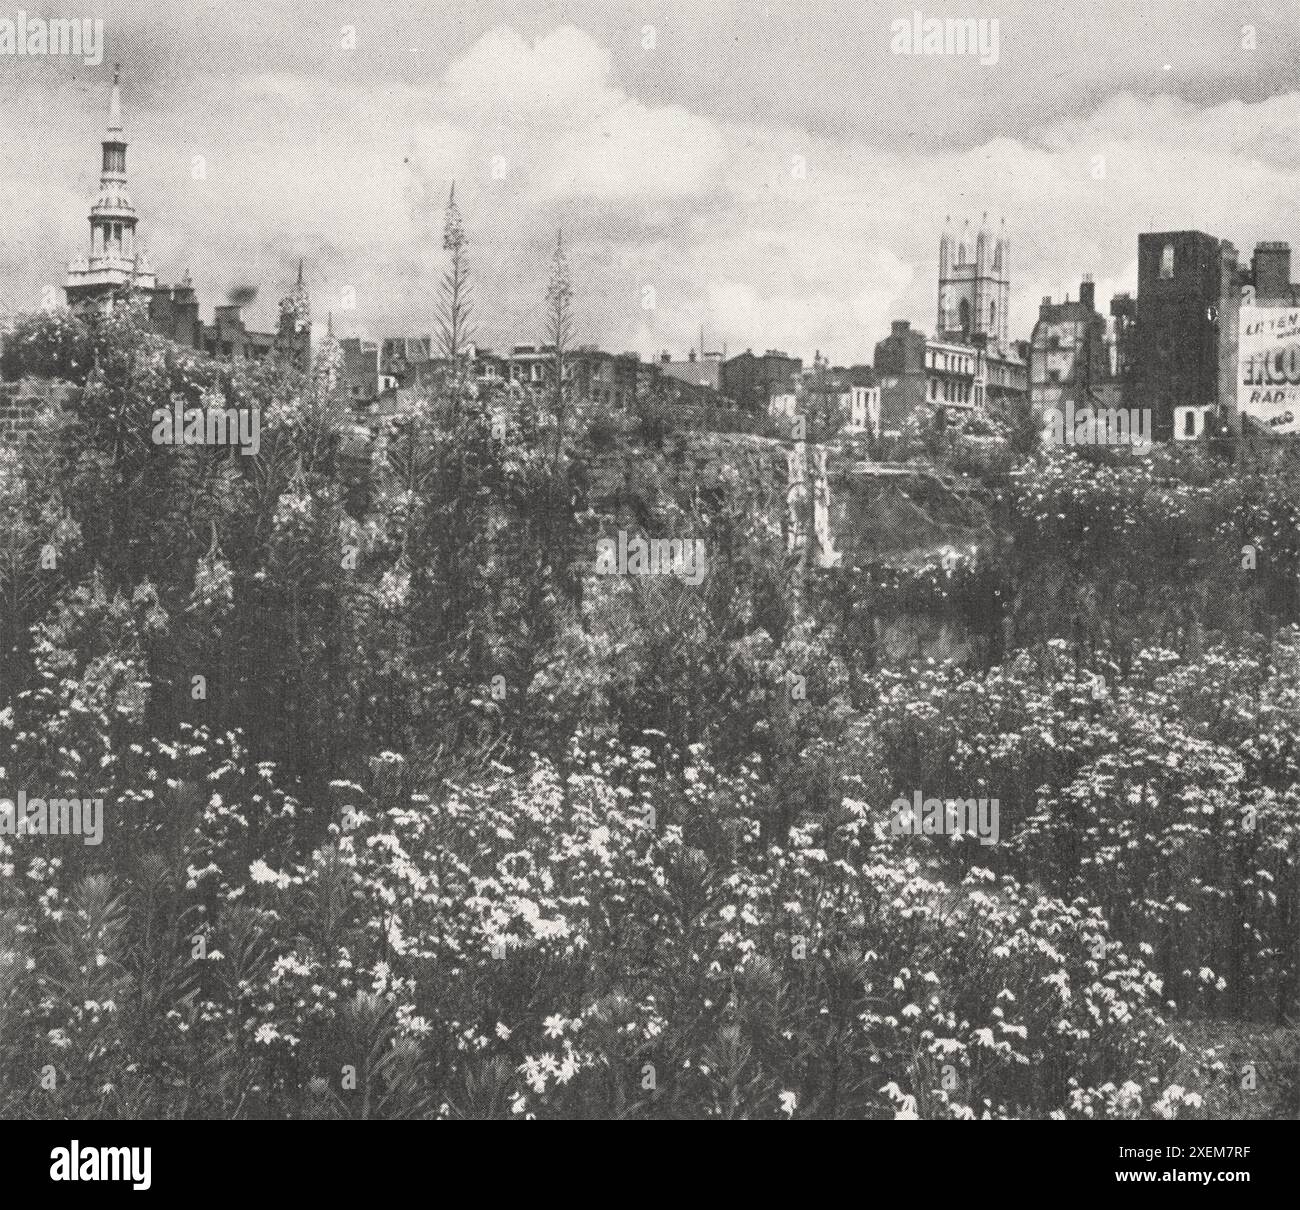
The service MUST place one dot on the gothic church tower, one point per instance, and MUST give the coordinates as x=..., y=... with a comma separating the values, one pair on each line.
x=974, y=285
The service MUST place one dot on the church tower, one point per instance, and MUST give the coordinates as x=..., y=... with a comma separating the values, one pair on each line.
x=974, y=285
x=947, y=255
x=116, y=262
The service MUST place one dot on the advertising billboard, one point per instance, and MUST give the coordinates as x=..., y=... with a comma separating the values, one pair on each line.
x=1268, y=367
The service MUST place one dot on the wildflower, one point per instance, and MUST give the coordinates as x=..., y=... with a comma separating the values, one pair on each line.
x=788, y=1102
x=262, y=873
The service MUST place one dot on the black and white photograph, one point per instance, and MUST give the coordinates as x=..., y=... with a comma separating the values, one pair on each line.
x=623, y=561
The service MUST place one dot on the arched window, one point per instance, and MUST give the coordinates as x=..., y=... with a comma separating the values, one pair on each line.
x=964, y=313
x=993, y=317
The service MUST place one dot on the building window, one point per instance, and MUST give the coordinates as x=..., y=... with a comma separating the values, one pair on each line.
x=1167, y=262
x=1189, y=424
x=1054, y=376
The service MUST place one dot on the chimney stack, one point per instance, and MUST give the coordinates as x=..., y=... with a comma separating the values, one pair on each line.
x=1272, y=270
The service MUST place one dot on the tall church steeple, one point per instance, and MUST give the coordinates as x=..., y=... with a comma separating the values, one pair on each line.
x=116, y=260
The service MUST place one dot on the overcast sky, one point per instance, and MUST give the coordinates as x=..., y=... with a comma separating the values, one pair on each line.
x=667, y=155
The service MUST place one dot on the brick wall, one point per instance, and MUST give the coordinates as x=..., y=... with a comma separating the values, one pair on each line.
x=20, y=402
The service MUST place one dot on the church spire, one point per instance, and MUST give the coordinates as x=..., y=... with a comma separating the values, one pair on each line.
x=115, y=103
x=116, y=261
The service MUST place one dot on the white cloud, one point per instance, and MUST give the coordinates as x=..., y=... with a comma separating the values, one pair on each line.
x=649, y=192
x=562, y=77
x=635, y=153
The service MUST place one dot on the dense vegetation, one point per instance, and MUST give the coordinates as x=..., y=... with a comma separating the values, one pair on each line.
x=448, y=825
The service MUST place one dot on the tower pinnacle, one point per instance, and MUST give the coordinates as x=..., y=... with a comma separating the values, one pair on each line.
x=115, y=103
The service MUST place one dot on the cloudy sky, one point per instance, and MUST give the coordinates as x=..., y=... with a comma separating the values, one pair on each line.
x=769, y=170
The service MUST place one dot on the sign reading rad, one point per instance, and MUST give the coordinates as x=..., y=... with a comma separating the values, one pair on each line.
x=1268, y=367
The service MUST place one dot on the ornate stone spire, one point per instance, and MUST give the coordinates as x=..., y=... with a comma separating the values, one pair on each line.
x=115, y=102
x=115, y=261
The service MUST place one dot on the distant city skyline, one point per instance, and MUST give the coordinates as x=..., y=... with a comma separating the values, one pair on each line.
x=771, y=172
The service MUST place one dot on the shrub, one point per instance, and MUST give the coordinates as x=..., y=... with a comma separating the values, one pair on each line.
x=47, y=344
